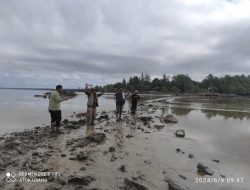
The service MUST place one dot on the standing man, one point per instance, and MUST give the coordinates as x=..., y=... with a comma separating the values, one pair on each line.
x=120, y=101
x=54, y=108
x=135, y=97
x=92, y=104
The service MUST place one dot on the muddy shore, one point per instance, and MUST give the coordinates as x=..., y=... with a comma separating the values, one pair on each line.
x=144, y=152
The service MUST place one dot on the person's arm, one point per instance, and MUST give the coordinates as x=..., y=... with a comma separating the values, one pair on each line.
x=87, y=90
x=98, y=95
x=57, y=98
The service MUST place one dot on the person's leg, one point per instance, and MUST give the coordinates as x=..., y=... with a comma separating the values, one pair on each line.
x=117, y=111
x=89, y=115
x=93, y=116
x=58, y=119
x=52, y=116
x=120, y=112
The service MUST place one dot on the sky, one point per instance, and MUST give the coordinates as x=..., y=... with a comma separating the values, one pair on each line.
x=48, y=42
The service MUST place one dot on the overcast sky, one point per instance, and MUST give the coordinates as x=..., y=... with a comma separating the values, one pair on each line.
x=47, y=42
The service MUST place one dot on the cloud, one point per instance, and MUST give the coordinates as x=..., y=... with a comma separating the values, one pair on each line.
x=48, y=42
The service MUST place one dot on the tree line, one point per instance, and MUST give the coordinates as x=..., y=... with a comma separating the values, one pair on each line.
x=181, y=83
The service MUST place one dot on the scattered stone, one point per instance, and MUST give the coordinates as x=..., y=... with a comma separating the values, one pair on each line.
x=217, y=161
x=96, y=137
x=159, y=127
x=104, y=116
x=183, y=177
x=63, y=155
x=129, y=136
x=191, y=156
x=204, y=170
x=78, y=180
x=80, y=115
x=178, y=150
x=132, y=185
x=180, y=133
x=82, y=155
x=113, y=158
x=172, y=185
x=65, y=121
x=147, y=162
x=223, y=176
x=83, y=168
x=146, y=118
x=111, y=149
x=123, y=168
x=170, y=119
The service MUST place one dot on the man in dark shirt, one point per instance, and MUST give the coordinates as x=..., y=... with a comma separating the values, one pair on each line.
x=120, y=101
x=135, y=97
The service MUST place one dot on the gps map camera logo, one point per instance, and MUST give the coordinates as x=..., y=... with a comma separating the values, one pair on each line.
x=10, y=177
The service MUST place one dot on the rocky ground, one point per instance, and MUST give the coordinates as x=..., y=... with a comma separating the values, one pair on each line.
x=149, y=151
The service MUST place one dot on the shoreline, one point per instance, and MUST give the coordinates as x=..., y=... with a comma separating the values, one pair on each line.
x=123, y=155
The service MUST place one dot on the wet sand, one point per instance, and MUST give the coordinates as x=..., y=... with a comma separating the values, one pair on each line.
x=151, y=157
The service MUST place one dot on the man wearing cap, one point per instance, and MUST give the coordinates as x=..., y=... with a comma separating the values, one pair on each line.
x=92, y=104
x=54, y=108
x=135, y=97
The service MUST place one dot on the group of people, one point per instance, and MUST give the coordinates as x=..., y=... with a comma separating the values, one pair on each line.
x=92, y=103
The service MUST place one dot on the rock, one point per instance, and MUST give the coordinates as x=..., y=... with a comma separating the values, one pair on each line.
x=178, y=150
x=83, y=168
x=63, y=155
x=147, y=162
x=113, y=158
x=111, y=149
x=78, y=180
x=80, y=115
x=204, y=170
x=74, y=126
x=172, y=185
x=191, y=156
x=96, y=137
x=65, y=121
x=104, y=116
x=159, y=127
x=123, y=168
x=132, y=185
x=82, y=155
x=183, y=177
x=129, y=136
x=170, y=119
x=217, y=161
x=180, y=133
x=146, y=118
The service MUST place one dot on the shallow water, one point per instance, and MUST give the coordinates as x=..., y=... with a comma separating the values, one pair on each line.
x=222, y=128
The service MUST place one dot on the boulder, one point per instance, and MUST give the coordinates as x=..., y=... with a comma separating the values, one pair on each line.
x=96, y=137
x=170, y=119
x=180, y=133
x=132, y=185
x=204, y=170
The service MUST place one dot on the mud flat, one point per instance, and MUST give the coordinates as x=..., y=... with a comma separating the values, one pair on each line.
x=145, y=152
